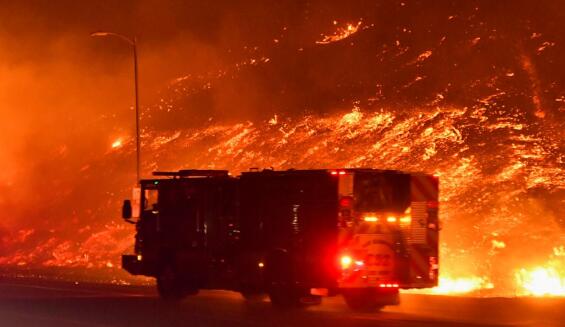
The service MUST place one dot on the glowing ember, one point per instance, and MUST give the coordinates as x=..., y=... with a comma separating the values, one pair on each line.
x=341, y=33
x=352, y=118
x=498, y=244
x=117, y=143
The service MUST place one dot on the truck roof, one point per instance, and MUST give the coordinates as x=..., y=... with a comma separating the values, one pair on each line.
x=208, y=173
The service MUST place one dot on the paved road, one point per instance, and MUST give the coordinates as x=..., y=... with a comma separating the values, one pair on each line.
x=41, y=303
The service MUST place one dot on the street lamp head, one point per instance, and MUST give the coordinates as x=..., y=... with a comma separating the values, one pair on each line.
x=99, y=34
x=123, y=37
x=132, y=43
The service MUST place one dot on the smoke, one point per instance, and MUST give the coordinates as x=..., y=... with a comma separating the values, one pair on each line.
x=471, y=88
x=66, y=96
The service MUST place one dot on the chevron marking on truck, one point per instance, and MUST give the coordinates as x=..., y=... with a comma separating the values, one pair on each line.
x=424, y=188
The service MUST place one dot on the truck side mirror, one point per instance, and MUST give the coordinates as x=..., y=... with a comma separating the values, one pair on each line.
x=126, y=209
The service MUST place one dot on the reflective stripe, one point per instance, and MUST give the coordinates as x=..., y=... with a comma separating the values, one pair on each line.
x=419, y=222
x=419, y=265
x=423, y=188
x=419, y=262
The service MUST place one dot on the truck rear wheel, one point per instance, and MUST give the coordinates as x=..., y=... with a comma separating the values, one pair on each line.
x=285, y=296
x=281, y=287
x=171, y=286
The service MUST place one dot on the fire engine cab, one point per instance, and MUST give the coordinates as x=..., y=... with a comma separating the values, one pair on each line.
x=294, y=235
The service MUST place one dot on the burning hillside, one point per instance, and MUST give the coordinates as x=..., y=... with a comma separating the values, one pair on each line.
x=497, y=199
x=457, y=92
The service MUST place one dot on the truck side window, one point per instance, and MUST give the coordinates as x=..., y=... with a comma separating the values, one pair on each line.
x=150, y=197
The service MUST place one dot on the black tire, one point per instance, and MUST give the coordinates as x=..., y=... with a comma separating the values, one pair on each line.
x=285, y=296
x=253, y=296
x=283, y=291
x=363, y=300
x=171, y=286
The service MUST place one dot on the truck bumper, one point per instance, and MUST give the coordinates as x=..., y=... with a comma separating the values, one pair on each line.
x=377, y=296
x=134, y=266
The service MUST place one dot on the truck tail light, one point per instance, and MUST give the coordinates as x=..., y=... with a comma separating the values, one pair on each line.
x=433, y=268
x=388, y=285
x=346, y=202
x=346, y=261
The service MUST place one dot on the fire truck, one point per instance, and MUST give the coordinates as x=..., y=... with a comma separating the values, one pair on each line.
x=295, y=235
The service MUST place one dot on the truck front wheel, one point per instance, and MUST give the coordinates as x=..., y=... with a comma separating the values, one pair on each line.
x=171, y=286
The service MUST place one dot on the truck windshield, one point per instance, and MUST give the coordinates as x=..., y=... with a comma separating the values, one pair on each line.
x=150, y=197
x=378, y=192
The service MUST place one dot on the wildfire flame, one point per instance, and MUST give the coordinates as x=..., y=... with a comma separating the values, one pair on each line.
x=548, y=279
x=500, y=158
x=540, y=281
x=341, y=33
x=461, y=285
x=431, y=142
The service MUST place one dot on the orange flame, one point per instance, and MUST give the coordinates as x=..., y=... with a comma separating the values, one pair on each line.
x=341, y=33
x=117, y=143
x=461, y=285
x=548, y=279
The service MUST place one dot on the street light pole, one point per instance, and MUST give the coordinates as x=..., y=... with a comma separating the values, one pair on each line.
x=133, y=44
x=137, y=136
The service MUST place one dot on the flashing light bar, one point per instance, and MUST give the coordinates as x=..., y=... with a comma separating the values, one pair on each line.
x=346, y=261
x=405, y=220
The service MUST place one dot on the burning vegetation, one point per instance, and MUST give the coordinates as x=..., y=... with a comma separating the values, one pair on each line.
x=449, y=88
